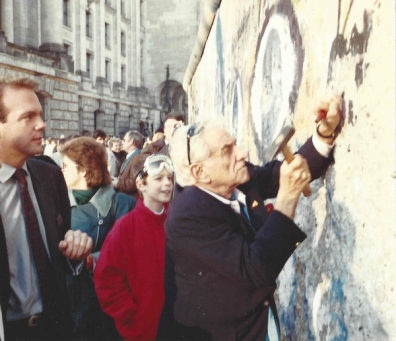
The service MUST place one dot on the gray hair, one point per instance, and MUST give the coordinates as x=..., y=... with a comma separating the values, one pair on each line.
x=199, y=149
x=136, y=137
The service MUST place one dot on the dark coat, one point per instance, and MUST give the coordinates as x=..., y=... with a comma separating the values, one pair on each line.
x=225, y=273
x=51, y=193
x=96, y=219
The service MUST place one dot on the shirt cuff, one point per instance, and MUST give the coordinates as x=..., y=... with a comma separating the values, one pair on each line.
x=321, y=147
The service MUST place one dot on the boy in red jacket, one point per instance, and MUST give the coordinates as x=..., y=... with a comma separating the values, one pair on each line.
x=129, y=274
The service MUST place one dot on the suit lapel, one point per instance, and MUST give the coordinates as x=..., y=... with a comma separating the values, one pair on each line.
x=42, y=184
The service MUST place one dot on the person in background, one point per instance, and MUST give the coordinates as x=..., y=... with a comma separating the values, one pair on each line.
x=100, y=136
x=158, y=136
x=147, y=142
x=227, y=250
x=132, y=144
x=49, y=147
x=129, y=274
x=86, y=133
x=37, y=247
x=115, y=157
x=95, y=206
x=57, y=156
x=171, y=122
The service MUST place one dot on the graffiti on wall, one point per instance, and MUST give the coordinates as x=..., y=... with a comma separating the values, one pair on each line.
x=277, y=74
x=319, y=297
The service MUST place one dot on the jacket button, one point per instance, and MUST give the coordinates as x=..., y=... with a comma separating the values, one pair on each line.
x=266, y=303
x=298, y=244
x=100, y=222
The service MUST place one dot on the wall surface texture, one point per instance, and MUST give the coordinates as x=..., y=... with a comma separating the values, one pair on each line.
x=266, y=62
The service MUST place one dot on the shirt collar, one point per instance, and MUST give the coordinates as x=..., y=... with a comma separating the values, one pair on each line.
x=237, y=197
x=7, y=171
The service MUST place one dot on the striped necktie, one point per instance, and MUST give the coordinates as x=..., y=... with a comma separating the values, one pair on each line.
x=44, y=269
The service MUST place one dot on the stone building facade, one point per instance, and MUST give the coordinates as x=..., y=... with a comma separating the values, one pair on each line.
x=92, y=59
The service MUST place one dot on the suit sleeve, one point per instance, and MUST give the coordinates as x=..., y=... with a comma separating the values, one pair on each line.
x=207, y=239
x=265, y=179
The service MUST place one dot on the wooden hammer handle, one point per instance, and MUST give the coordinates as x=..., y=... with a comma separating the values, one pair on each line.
x=289, y=157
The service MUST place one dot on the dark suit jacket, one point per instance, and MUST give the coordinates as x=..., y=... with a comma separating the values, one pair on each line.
x=51, y=192
x=224, y=272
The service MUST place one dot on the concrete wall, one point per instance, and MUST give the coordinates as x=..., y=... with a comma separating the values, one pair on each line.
x=268, y=61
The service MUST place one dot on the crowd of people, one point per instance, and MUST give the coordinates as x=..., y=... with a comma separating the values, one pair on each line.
x=104, y=238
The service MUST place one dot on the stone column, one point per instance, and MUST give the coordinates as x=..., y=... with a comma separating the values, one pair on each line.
x=51, y=26
x=7, y=19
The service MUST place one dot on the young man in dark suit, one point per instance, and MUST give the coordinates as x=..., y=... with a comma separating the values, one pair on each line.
x=225, y=251
x=36, y=243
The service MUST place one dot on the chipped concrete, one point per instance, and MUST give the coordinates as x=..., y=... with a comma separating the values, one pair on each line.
x=267, y=61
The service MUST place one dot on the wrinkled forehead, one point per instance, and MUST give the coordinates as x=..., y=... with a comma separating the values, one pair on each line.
x=217, y=137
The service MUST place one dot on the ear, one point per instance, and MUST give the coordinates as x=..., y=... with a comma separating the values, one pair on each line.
x=199, y=173
x=140, y=185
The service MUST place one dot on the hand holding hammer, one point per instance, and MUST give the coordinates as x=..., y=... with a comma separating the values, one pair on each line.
x=280, y=145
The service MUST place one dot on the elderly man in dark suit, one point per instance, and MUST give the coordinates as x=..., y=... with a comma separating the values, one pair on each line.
x=37, y=246
x=226, y=252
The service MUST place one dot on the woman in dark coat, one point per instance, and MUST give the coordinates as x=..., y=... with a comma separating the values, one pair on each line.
x=95, y=207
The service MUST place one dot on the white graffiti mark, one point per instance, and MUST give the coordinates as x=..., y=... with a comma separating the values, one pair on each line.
x=236, y=115
x=274, y=79
x=322, y=288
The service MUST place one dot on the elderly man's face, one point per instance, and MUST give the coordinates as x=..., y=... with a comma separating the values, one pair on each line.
x=226, y=166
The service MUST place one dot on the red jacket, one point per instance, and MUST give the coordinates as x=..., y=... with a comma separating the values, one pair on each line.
x=129, y=274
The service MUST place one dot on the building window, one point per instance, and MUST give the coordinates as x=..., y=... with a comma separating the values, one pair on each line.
x=123, y=75
x=66, y=13
x=123, y=48
x=107, y=35
x=107, y=70
x=123, y=8
x=89, y=65
x=88, y=24
x=67, y=48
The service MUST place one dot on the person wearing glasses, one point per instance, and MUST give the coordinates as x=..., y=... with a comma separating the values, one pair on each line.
x=132, y=144
x=95, y=206
x=129, y=275
x=171, y=122
x=227, y=251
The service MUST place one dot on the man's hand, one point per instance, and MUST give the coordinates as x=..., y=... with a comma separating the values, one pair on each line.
x=328, y=116
x=293, y=178
x=76, y=245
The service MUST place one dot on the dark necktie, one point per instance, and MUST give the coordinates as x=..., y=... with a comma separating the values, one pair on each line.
x=41, y=259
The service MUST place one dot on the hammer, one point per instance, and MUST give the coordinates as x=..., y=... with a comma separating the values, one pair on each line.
x=280, y=144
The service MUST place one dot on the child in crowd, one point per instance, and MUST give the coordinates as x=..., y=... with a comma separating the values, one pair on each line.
x=129, y=275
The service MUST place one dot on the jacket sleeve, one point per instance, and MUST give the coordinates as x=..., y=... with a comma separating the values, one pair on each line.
x=111, y=280
x=207, y=238
x=265, y=179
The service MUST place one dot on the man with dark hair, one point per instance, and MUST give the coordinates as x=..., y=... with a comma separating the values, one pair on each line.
x=86, y=133
x=37, y=246
x=132, y=144
x=170, y=123
x=100, y=136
